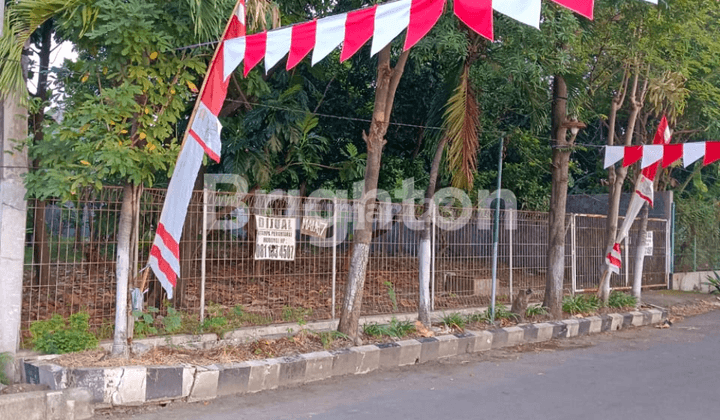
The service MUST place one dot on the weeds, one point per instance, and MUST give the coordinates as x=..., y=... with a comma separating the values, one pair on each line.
x=144, y=322
x=581, y=304
x=391, y=294
x=299, y=315
x=619, y=299
x=455, y=320
x=327, y=338
x=58, y=336
x=173, y=321
x=5, y=359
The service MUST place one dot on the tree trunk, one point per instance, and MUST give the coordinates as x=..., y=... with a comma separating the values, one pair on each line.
x=558, y=199
x=122, y=272
x=388, y=79
x=425, y=249
x=41, y=246
x=636, y=101
x=641, y=242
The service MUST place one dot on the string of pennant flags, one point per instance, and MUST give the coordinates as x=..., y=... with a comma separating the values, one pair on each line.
x=666, y=155
x=351, y=30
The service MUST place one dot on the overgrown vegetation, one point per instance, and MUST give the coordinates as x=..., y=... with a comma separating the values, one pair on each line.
x=58, y=335
x=581, y=304
x=714, y=283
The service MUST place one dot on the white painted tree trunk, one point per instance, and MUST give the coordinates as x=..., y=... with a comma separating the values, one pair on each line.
x=425, y=264
x=640, y=257
x=122, y=274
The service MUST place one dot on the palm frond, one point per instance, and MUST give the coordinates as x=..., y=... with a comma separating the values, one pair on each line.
x=462, y=121
x=21, y=20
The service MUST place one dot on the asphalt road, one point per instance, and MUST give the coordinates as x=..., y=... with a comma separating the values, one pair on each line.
x=646, y=373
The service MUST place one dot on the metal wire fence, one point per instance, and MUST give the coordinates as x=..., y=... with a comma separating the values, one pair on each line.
x=70, y=256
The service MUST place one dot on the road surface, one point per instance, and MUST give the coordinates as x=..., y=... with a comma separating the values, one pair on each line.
x=646, y=373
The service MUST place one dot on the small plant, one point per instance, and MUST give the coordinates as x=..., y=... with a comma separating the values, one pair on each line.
x=396, y=329
x=502, y=312
x=481, y=317
x=454, y=320
x=299, y=315
x=581, y=304
x=533, y=311
x=714, y=283
x=216, y=324
x=5, y=358
x=329, y=337
x=242, y=317
x=58, y=336
x=172, y=322
x=619, y=299
x=392, y=295
x=144, y=322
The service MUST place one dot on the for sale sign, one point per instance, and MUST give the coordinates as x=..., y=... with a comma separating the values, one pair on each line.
x=275, y=239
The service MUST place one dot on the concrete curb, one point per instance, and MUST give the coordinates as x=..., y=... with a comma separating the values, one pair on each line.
x=138, y=385
x=73, y=403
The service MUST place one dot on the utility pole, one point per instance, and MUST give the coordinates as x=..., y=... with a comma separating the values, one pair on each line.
x=13, y=164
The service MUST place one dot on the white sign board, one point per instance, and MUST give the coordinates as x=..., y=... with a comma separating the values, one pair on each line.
x=275, y=238
x=649, y=244
x=312, y=226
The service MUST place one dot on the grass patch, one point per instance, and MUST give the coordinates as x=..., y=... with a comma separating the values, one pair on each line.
x=5, y=359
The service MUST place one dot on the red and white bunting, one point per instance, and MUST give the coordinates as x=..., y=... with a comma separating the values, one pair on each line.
x=665, y=154
x=382, y=23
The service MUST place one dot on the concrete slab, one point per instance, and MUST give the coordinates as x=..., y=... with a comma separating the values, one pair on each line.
x=164, y=383
x=389, y=355
x=205, y=385
x=430, y=349
x=409, y=352
x=319, y=366
x=447, y=346
x=368, y=358
x=233, y=378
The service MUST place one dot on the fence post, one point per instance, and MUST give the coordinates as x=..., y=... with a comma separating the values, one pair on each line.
x=573, y=252
x=627, y=261
x=511, y=214
x=203, y=261
x=334, y=254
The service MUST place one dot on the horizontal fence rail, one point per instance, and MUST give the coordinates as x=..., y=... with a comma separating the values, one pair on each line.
x=70, y=256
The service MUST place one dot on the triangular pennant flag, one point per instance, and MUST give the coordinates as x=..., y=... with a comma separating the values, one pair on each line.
x=692, y=152
x=329, y=33
x=390, y=20
x=359, y=29
x=303, y=40
x=277, y=45
x=524, y=11
x=476, y=14
x=612, y=155
x=651, y=154
x=662, y=136
x=254, y=50
x=663, y=133
x=583, y=7
x=632, y=155
x=712, y=152
x=424, y=14
x=234, y=53
x=671, y=154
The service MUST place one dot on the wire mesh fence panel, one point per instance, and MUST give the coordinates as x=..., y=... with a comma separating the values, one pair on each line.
x=70, y=257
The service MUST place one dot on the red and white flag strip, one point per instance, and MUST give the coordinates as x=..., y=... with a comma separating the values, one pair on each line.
x=644, y=190
x=663, y=154
x=203, y=138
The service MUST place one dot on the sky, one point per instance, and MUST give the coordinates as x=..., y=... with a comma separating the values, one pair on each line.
x=57, y=56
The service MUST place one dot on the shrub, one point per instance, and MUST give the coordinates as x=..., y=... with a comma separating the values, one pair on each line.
x=454, y=320
x=581, y=304
x=396, y=329
x=619, y=299
x=144, y=322
x=58, y=336
x=532, y=311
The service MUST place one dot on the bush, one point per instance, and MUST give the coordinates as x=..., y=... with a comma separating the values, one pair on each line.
x=396, y=329
x=581, y=304
x=619, y=299
x=454, y=320
x=58, y=336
